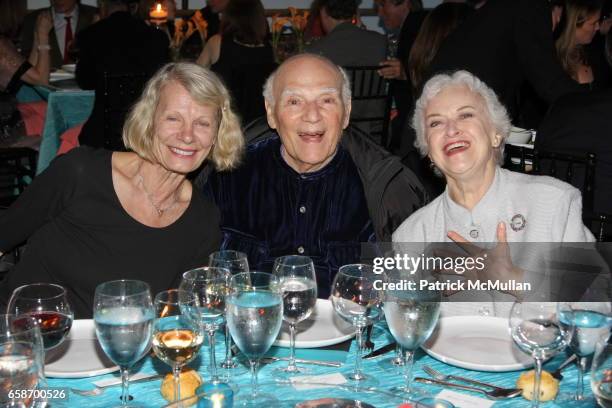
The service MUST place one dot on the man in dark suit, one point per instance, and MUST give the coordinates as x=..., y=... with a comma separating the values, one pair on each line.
x=504, y=43
x=580, y=123
x=403, y=19
x=69, y=18
x=119, y=44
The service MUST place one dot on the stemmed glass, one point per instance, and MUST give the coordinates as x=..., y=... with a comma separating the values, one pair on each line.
x=177, y=336
x=298, y=283
x=208, y=285
x=123, y=315
x=48, y=304
x=357, y=301
x=412, y=316
x=601, y=373
x=21, y=359
x=536, y=330
x=591, y=321
x=254, y=317
x=235, y=262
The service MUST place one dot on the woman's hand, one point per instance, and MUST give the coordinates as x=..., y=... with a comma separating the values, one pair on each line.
x=497, y=261
x=392, y=69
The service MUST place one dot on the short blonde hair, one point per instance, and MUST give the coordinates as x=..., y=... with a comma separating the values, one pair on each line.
x=206, y=89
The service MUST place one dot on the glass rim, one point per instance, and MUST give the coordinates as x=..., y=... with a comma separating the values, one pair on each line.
x=238, y=255
x=146, y=288
x=35, y=326
x=273, y=281
x=226, y=273
x=62, y=290
x=157, y=298
x=305, y=260
x=343, y=268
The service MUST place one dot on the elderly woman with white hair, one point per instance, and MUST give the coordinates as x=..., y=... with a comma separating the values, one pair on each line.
x=97, y=215
x=462, y=127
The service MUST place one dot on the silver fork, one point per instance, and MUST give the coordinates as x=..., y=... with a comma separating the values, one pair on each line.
x=101, y=388
x=368, y=344
x=444, y=377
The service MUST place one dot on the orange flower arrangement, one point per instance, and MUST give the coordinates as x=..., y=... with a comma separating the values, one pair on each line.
x=278, y=24
x=299, y=20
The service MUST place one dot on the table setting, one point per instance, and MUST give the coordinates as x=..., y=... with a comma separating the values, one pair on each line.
x=361, y=348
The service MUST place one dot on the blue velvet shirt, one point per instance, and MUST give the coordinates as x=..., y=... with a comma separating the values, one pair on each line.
x=269, y=210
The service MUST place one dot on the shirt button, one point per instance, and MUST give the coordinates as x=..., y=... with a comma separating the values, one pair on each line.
x=300, y=250
x=474, y=233
x=302, y=209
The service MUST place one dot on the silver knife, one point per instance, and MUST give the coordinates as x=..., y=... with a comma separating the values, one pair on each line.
x=381, y=351
x=302, y=361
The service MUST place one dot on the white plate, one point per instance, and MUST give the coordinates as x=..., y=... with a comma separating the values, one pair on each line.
x=69, y=67
x=323, y=328
x=60, y=76
x=80, y=355
x=477, y=343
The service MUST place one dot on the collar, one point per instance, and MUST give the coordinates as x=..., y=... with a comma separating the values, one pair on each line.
x=344, y=26
x=60, y=16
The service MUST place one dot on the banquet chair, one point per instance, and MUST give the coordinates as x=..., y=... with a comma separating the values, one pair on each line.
x=371, y=103
x=120, y=92
x=17, y=169
x=600, y=225
x=518, y=158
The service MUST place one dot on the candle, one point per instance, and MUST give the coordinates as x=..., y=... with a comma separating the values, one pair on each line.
x=215, y=395
x=158, y=12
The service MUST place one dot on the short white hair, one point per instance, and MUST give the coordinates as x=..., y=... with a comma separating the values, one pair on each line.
x=497, y=113
x=345, y=91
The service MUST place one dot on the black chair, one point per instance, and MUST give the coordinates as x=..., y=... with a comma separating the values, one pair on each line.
x=371, y=103
x=17, y=169
x=518, y=158
x=120, y=93
x=601, y=226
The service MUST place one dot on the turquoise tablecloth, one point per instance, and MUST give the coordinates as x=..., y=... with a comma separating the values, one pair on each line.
x=147, y=394
x=65, y=109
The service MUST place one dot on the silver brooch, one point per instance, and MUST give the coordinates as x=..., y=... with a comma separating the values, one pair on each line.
x=518, y=222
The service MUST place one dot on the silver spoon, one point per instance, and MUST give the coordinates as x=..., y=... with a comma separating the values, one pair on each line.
x=501, y=393
x=444, y=377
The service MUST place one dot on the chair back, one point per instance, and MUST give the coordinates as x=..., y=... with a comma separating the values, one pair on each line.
x=518, y=158
x=371, y=103
x=17, y=169
x=120, y=93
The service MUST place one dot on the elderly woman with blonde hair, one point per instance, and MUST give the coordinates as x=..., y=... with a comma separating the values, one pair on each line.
x=462, y=127
x=96, y=215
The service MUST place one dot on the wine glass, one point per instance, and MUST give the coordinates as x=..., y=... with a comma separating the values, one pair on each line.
x=123, y=315
x=591, y=321
x=412, y=316
x=177, y=336
x=235, y=262
x=536, y=330
x=601, y=373
x=254, y=317
x=298, y=283
x=48, y=304
x=21, y=359
x=357, y=301
x=208, y=285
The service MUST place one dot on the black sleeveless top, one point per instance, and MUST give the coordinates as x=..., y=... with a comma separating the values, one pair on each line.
x=244, y=69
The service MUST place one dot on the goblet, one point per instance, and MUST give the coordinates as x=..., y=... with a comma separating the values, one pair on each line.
x=591, y=322
x=254, y=317
x=536, y=330
x=123, y=315
x=298, y=284
x=357, y=301
x=48, y=304
x=235, y=262
x=209, y=286
x=177, y=335
x=601, y=373
x=411, y=315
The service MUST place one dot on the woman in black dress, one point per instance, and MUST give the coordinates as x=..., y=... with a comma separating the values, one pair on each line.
x=242, y=55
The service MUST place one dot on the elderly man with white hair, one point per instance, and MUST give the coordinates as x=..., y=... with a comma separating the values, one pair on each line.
x=311, y=186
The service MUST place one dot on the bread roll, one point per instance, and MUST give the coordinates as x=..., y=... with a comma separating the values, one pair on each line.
x=189, y=382
x=549, y=385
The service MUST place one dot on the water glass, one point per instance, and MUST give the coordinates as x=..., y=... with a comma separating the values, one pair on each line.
x=235, y=262
x=209, y=285
x=254, y=317
x=48, y=304
x=357, y=301
x=592, y=322
x=298, y=284
x=537, y=331
x=177, y=335
x=412, y=316
x=21, y=359
x=601, y=373
x=123, y=315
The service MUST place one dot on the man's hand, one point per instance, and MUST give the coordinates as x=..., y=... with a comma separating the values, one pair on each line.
x=392, y=69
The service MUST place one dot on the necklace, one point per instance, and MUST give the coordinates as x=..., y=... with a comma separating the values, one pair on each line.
x=158, y=208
